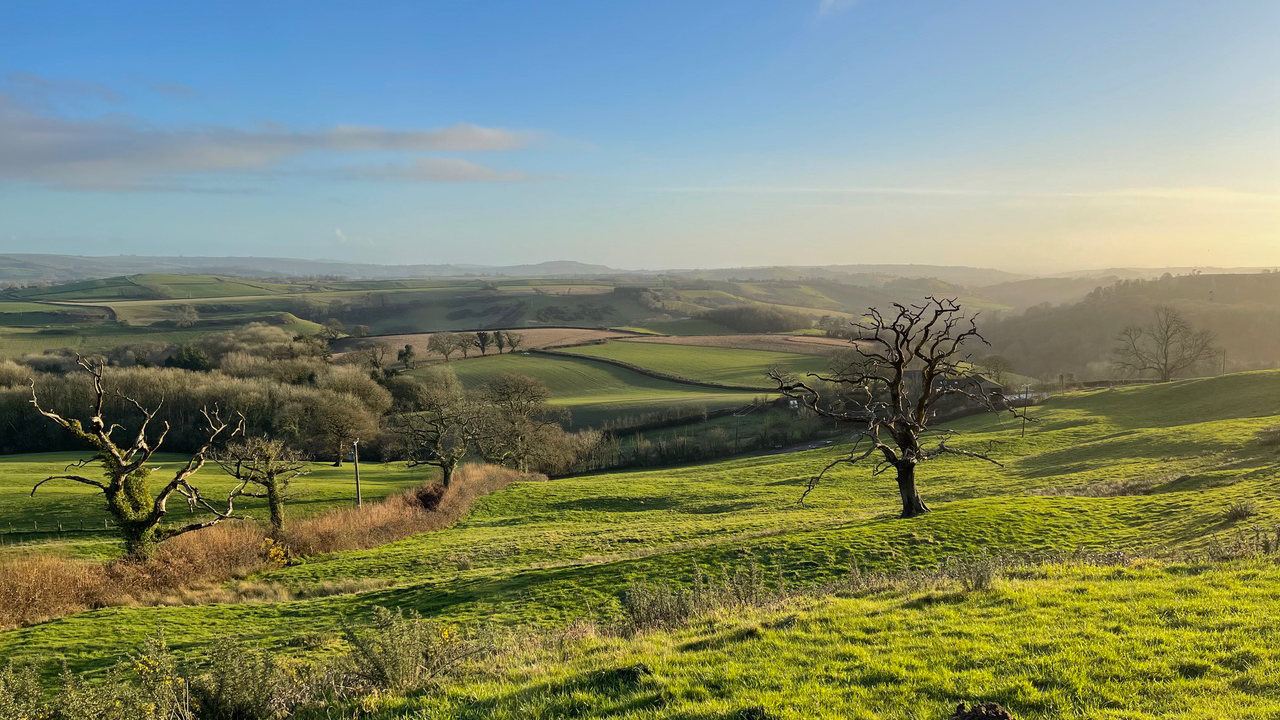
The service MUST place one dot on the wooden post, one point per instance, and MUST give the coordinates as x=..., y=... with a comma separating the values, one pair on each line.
x=355, y=460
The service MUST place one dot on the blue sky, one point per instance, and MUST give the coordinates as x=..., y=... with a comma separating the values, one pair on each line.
x=1027, y=135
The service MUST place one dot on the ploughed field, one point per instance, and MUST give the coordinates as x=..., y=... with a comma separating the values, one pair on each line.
x=1148, y=470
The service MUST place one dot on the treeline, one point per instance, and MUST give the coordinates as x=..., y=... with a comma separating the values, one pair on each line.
x=284, y=387
x=1242, y=311
x=758, y=318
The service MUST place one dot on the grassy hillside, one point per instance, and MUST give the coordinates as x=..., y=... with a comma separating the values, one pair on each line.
x=1064, y=642
x=727, y=366
x=595, y=392
x=1141, y=469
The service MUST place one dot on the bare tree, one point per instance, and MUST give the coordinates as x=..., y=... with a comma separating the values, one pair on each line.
x=443, y=343
x=341, y=420
x=906, y=364
x=445, y=427
x=374, y=353
x=483, y=341
x=1167, y=347
x=138, y=512
x=267, y=465
x=499, y=340
x=466, y=343
x=513, y=341
x=519, y=419
x=995, y=367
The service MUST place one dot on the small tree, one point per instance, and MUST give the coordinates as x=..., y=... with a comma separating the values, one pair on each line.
x=332, y=329
x=186, y=316
x=483, y=341
x=443, y=343
x=907, y=363
x=500, y=340
x=514, y=340
x=374, y=353
x=1167, y=347
x=995, y=367
x=137, y=511
x=268, y=466
x=360, y=331
x=406, y=357
x=340, y=421
x=466, y=342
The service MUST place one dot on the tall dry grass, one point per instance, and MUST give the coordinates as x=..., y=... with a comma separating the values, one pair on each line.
x=41, y=587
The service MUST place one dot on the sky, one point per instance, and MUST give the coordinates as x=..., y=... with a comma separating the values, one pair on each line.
x=1036, y=136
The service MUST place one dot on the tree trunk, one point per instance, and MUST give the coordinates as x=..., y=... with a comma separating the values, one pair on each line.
x=446, y=472
x=275, y=506
x=912, y=505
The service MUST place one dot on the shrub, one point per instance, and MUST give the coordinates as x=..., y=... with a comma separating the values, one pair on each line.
x=246, y=683
x=403, y=653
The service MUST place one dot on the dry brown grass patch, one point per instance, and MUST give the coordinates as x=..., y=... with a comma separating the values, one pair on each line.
x=194, y=568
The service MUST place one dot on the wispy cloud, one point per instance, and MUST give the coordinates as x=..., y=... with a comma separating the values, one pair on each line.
x=127, y=153
x=1171, y=194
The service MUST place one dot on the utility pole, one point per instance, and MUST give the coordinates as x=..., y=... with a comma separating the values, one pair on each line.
x=355, y=460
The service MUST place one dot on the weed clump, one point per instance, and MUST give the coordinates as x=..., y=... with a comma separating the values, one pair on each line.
x=1240, y=510
x=983, y=711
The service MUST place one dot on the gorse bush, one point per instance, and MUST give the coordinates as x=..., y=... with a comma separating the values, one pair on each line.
x=403, y=653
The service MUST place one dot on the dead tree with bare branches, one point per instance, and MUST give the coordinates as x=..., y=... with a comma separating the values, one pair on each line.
x=903, y=365
x=138, y=511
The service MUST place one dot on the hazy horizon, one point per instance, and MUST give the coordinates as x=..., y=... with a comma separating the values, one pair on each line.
x=994, y=134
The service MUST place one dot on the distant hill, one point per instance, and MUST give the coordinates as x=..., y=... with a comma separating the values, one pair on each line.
x=869, y=275
x=1242, y=310
x=35, y=268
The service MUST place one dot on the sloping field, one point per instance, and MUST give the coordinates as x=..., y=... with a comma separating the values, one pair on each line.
x=595, y=392
x=1148, y=469
x=724, y=365
x=799, y=344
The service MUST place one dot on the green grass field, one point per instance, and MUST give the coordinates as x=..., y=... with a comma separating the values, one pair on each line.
x=74, y=506
x=1115, y=642
x=595, y=392
x=727, y=366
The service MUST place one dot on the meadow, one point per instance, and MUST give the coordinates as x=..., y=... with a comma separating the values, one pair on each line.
x=596, y=392
x=724, y=366
x=1149, y=471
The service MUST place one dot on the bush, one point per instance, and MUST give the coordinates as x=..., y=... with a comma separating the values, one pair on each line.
x=403, y=653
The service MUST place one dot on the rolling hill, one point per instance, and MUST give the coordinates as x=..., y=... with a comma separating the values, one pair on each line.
x=1144, y=470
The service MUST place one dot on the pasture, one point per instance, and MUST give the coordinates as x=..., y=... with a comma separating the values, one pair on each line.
x=596, y=392
x=721, y=365
x=1147, y=470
